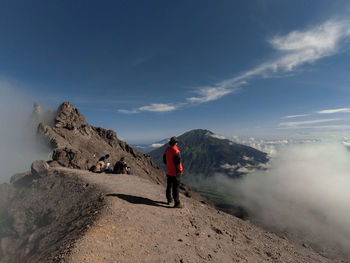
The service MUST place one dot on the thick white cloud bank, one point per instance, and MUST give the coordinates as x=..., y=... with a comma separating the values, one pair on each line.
x=304, y=193
x=19, y=146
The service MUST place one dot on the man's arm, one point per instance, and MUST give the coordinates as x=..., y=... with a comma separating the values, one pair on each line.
x=177, y=158
x=164, y=158
x=177, y=161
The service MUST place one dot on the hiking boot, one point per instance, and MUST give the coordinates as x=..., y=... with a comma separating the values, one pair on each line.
x=178, y=205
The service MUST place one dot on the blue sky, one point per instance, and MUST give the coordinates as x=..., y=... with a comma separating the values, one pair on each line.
x=153, y=69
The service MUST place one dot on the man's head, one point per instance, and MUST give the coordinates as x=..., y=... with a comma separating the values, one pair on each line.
x=173, y=141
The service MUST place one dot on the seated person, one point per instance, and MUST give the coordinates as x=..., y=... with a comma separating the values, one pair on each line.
x=121, y=167
x=128, y=170
x=101, y=165
x=107, y=168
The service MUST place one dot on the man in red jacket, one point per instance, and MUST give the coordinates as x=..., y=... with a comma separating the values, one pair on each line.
x=172, y=159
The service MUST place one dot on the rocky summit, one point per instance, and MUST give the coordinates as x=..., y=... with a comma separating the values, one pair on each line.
x=61, y=212
x=76, y=144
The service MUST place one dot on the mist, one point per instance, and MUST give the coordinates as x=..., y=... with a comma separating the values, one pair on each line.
x=303, y=196
x=19, y=144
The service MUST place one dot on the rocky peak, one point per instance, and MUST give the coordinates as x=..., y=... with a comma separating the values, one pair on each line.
x=69, y=117
x=76, y=144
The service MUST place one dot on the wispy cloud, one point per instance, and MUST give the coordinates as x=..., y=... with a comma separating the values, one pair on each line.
x=322, y=127
x=295, y=49
x=299, y=47
x=297, y=124
x=158, y=107
x=309, y=124
x=154, y=107
x=128, y=111
x=295, y=116
x=207, y=94
x=332, y=111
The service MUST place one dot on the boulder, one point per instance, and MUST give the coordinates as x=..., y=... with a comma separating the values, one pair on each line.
x=69, y=157
x=39, y=168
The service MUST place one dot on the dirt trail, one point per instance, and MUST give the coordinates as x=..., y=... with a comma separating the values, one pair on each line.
x=137, y=226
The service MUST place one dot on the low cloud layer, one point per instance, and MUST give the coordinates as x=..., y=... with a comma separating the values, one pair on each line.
x=305, y=193
x=19, y=146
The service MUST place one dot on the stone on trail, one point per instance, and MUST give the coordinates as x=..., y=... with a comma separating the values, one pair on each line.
x=40, y=168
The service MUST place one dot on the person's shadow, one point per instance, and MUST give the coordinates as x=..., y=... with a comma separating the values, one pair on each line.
x=140, y=200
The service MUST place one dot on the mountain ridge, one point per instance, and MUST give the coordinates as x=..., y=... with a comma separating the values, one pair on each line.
x=61, y=212
x=203, y=153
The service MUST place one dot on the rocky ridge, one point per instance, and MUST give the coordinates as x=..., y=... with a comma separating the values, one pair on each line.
x=60, y=212
x=76, y=144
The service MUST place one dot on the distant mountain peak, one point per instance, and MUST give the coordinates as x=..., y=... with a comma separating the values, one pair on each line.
x=206, y=153
x=198, y=132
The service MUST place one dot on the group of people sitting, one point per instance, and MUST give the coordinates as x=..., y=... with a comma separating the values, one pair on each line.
x=102, y=165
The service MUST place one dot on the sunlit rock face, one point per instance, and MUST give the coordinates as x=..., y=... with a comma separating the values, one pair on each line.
x=77, y=144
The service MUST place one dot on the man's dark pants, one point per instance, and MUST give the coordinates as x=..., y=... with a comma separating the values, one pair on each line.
x=173, y=183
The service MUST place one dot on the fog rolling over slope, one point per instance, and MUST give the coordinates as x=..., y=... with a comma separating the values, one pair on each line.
x=304, y=195
x=19, y=144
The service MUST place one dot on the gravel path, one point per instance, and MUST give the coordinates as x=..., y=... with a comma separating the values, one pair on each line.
x=137, y=226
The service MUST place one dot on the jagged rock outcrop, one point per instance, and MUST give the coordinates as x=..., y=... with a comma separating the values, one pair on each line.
x=76, y=144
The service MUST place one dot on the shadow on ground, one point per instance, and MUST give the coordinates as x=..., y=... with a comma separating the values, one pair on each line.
x=140, y=200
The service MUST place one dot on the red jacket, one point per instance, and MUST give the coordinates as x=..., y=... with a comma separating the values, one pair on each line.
x=172, y=159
